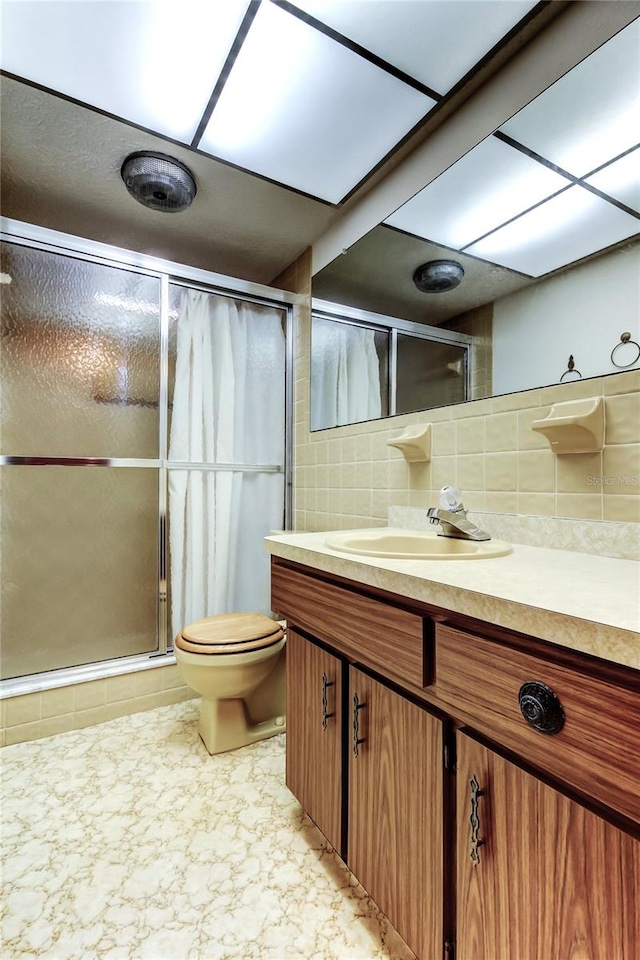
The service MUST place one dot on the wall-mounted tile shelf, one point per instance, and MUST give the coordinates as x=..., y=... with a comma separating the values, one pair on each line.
x=575, y=426
x=415, y=443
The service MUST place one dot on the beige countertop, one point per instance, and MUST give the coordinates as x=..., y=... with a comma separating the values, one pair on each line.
x=582, y=601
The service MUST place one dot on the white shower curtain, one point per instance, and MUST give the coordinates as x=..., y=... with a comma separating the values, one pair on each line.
x=228, y=408
x=345, y=374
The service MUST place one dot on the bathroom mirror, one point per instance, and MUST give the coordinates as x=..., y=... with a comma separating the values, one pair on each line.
x=544, y=218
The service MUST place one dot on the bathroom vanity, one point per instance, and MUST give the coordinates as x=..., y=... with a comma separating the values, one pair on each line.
x=470, y=749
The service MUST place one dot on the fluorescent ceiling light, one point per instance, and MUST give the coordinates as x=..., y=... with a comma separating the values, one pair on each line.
x=590, y=115
x=565, y=228
x=436, y=43
x=305, y=111
x=152, y=63
x=621, y=179
x=491, y=184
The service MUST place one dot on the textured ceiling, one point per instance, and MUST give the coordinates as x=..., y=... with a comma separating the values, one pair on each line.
x=332, y=123
x=61, y=169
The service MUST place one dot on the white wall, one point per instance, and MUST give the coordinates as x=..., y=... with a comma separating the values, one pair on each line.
x=580, y=312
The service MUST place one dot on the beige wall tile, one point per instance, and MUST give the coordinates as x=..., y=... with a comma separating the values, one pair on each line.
x=473, y=408
x=420, y=498
x=363, y=447
x=529, y=439
x=121, y=688
x=420, y=476
x=171, y=677
x=148, y=681
x=470, y=473
x=516, y=401
x=363, y=474
x=474, y=500
x=621, y=469
x=398, y=474
x=580, y=506
x=91, y=694
x=470, y=435
x=443, y=439
x=443, y=472
x=625, y=382
x=625, y=509
x=501, y=502
x=579, y=473
x=22, y=733
x=622, y=419
x=501, y=432
x=24, y=710
x=379, y=504
x=57, y=702
x=537, y=471
x=362, y=506
x=52, y=726
x=575, y=390
x=537, y=504
x=348, y=475
x=501, y=471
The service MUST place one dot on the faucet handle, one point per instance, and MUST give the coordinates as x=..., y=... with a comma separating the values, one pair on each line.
x=450, y=498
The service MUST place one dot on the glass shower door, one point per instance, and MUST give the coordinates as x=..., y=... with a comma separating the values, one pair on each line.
x=79, y=503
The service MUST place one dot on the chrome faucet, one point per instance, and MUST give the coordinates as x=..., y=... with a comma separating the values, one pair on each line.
x=452, y=517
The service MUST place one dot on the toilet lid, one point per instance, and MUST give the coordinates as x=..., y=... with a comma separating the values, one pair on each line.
x=230, y=633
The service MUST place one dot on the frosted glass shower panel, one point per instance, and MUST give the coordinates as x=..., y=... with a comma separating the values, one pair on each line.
x=79, y=565
x=80, y=362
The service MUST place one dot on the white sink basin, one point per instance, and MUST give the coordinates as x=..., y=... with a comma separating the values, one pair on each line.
x=414, y=545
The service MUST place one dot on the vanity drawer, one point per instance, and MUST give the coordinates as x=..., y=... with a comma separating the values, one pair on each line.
x=597, y=749
x=365, y=630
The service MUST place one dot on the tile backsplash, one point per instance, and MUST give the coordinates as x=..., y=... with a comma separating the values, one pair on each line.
x=348, y=476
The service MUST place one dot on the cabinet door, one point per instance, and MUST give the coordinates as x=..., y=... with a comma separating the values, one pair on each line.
x=314, y=761
x=549, y=879
x=395, y=810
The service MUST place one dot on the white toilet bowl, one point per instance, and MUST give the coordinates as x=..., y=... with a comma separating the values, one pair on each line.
x=236, y=663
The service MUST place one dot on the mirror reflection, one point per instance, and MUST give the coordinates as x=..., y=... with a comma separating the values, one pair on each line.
x=543, y=217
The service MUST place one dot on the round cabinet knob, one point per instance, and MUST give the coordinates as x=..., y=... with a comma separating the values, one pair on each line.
x=540, y=707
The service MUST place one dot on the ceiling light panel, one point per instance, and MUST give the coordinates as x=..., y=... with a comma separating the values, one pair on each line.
x=572, y=225
x=590, y=115
x=488, y=186
x=153, y=64
x=305, y=111
x=621, y=179
x=436, y=43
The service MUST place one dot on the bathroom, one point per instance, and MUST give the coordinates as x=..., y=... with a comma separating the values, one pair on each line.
x=59, y=165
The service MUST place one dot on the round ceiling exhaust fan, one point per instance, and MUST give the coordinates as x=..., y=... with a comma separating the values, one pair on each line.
x=158, y=182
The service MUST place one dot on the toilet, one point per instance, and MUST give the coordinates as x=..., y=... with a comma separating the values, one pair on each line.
x=235, y=662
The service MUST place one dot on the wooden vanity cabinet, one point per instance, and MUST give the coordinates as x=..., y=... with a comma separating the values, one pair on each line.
x=528, y=846
x=538, y=875
x=314, y=734
x=395, y=846
x=373, y=771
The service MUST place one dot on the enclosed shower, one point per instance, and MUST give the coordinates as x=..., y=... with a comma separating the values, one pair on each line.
x=145, y=428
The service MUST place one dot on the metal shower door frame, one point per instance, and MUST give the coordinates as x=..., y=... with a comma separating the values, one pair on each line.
x=167, y=272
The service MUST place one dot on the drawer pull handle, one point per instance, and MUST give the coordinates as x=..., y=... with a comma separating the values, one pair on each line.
x=357, y=740
x=540, y=707
x=474, y=821
x=326, y=716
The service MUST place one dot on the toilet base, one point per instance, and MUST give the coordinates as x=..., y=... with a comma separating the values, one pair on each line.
x=225, y=725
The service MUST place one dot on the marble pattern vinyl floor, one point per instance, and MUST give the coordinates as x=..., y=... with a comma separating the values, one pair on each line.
x=127, y=841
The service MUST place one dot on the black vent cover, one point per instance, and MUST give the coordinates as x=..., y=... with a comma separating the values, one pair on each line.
x=438, y=276
x=158, y=182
